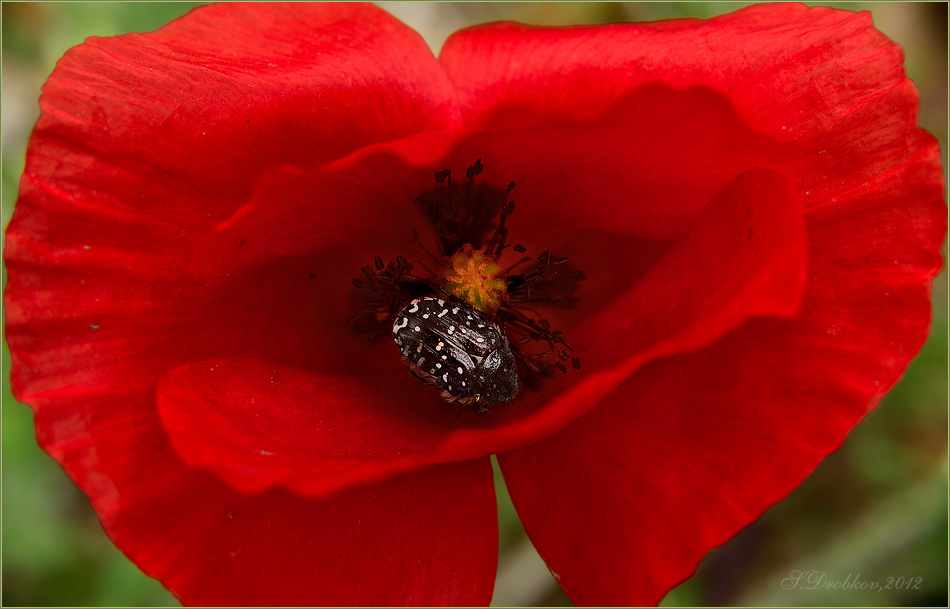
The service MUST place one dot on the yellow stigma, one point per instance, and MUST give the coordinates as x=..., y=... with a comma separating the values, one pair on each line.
x=475, y=278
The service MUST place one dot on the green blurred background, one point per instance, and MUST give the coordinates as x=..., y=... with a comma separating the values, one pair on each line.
x=877, y=508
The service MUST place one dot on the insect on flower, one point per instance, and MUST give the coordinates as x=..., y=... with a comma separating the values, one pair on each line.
x=452, y=346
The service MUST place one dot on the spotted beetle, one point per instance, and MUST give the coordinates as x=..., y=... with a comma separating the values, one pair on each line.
x=455, y=348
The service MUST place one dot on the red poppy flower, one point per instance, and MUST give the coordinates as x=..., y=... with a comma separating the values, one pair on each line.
x=756, y=212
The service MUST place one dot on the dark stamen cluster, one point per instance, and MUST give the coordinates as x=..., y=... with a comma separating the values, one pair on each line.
x=537, y=329
x=549, y=279
x=393, y=285
x=475, y=217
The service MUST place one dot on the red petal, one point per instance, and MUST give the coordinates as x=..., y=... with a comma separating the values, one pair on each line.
x=350, y=210
x=777, y=63
x=260, y=424
x=144, y=143
x=163, y=137
x=823, y=78
x=179, y=124
x=645, y=166
x=148, y=140
x=428, y=538
x=741, y=258
x=624, y=502
x=695, y=447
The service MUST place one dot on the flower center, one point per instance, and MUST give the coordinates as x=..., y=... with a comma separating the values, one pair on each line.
x=475, y=278
x=468, y=329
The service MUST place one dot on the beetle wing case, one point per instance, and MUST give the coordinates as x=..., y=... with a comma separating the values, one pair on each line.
x=453, y=347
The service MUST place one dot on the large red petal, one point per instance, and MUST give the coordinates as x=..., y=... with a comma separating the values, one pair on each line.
x=645, y=166
x=145, y=141
x=624, y=502
x=179, y=124
x=823, y=78
x=695, y=447
x=260, y=424
x=428, y=538
x=780, y=64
